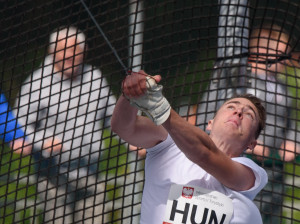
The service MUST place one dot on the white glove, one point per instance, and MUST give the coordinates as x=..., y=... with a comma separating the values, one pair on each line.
x=153, y=103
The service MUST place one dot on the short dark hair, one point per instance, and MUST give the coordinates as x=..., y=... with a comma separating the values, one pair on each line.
x=260, y=108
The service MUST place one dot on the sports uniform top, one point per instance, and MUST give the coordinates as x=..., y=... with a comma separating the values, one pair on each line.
x=167, y=165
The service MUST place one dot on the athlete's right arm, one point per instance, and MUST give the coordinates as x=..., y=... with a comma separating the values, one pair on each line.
x=136, y=130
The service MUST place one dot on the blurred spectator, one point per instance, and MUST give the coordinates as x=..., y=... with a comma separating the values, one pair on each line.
x=269, y=48
x=65, y=105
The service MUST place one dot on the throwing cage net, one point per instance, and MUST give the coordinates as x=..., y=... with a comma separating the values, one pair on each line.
x=77, y=170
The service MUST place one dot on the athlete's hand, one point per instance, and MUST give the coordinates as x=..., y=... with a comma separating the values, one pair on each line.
x=145, y=94
x=137, y=83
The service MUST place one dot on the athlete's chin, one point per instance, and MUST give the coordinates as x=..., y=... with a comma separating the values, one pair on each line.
x=236, y=132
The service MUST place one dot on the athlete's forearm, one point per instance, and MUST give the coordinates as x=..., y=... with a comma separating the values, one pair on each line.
x=136, y=130
x=124, y=117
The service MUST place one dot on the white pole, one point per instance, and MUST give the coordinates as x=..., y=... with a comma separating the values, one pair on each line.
x=233, y=31
x=136, y=34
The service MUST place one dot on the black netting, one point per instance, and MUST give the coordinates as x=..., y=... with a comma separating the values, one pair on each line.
x=206, y=51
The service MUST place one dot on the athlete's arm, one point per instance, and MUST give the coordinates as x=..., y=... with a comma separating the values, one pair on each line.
x=200, y=149
x=136, y=130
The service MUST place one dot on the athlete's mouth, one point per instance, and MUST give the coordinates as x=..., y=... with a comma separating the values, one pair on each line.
x=233, y=121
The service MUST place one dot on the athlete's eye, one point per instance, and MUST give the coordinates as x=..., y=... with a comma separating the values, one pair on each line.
x=249, y=115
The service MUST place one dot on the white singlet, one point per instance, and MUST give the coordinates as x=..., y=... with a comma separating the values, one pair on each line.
x=166, y=165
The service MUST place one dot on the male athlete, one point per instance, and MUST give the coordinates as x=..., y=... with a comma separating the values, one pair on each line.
x=192, y=177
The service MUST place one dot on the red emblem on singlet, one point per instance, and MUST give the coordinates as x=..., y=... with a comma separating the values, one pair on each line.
x=187, y=192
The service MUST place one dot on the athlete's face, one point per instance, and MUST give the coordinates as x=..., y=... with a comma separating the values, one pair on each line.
x=68, y=56
x=237, y=120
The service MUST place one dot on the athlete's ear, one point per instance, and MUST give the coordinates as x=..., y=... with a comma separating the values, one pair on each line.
x=252, y=144
x=209, y=125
